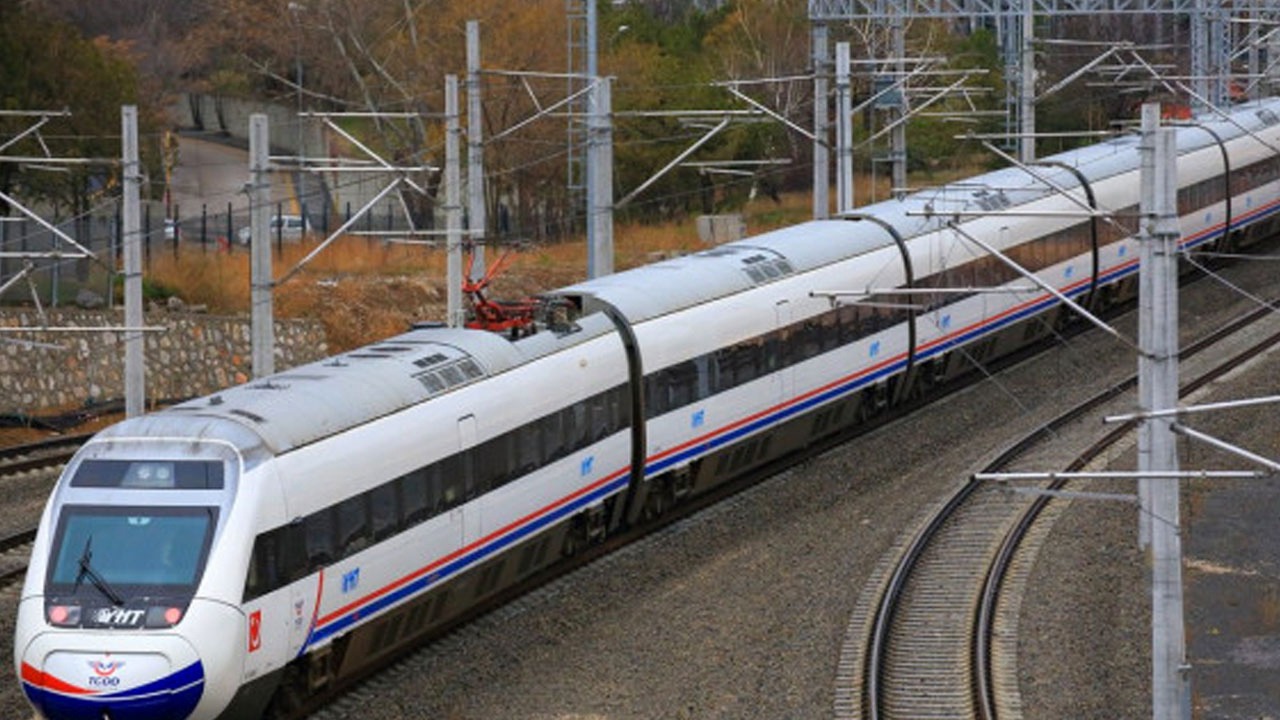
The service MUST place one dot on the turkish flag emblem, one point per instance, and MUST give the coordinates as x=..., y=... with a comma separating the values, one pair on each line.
x=255, y=630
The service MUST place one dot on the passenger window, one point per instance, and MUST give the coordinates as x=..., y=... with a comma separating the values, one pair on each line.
x=622, y=404
x=451, y=482
x=848, y=319
x=579, y=426
x=553, y=436
x=599, y=417
x=264, y=575
x=529, y=441
x=472, y=484
x=655, y=396
x=683, y=380
x=353, y=525
x=382, y=506
x=495, y=459
x=318, y=529
x=704, y=370
x=414, y=498
x=435, y=489
x=293, y=551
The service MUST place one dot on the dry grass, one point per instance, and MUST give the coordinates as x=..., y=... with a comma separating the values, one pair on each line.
x=364, y=290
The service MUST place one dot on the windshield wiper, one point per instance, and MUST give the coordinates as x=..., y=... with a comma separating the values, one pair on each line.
x=86, y=570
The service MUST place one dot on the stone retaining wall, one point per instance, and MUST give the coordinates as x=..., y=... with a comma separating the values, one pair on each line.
x=195, y=355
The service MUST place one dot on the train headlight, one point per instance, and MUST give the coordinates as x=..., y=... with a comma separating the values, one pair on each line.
x=64, y=615
x=161, y=617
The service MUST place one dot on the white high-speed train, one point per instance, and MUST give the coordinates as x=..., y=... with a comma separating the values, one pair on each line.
x=232, y=555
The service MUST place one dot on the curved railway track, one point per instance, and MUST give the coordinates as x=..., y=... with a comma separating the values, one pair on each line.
x=925, y=649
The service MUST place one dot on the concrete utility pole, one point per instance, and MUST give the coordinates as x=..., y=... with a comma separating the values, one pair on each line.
x=135, y=369
x=821, y=160
x=600, y=179
x=1027, y=87
x=453, y=201
x=898, y=137
x=477, y=214
x=844, y=132
x=262, y=313
x=1158, y=390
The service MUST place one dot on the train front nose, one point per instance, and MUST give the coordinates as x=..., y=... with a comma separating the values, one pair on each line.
x=158, y=677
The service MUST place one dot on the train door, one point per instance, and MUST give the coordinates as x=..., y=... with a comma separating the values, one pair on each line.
x=270, y=629
x=992, y=299
x=467, y=520
x=779, y=351
x=303, y=610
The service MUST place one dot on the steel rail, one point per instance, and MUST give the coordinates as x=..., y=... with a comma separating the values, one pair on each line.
x=893, y=594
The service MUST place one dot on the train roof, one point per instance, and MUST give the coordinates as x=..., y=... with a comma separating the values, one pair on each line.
x=678, y=283
x=299, y=406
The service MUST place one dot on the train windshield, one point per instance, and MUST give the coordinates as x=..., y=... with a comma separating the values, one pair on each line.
x=129, y=549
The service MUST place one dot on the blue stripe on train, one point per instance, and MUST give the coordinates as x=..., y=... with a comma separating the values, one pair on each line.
x=172, y=696
x=714, y=442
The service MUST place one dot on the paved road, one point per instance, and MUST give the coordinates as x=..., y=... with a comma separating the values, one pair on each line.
x=210, y=175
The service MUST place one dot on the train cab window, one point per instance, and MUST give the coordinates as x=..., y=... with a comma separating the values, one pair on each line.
x=415, y=500
x=382, y=511
x=135, y=550
x=150, y=474
x=318, y=531
x=353, y=525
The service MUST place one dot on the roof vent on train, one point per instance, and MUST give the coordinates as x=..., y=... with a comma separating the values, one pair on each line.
x=441, y=374
x=759, y=264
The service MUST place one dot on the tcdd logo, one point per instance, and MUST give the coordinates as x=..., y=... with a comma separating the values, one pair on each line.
x=104, y=671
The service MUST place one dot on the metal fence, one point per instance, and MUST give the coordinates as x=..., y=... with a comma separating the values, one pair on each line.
x=56, y=281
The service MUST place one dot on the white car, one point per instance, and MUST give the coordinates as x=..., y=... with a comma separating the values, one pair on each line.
x=288, y=227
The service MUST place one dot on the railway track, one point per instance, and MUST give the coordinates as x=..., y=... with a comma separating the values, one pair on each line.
x=926, y=647
x=43, y=455
x=41, y=458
